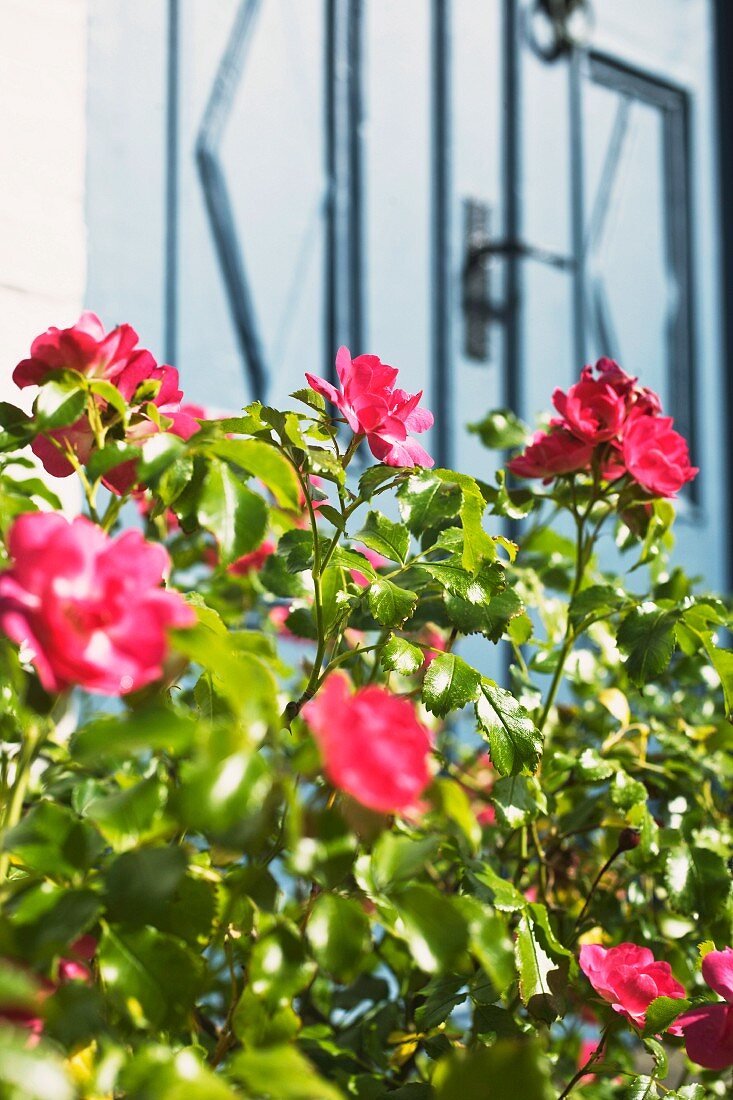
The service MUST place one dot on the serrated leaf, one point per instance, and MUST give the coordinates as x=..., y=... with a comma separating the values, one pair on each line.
x=478, y=547
x=399, y=655
x=236, y=516
x=517, y=799
x=309, y=397
x=376, y=478
x=647, y=635
x=490, y=619
x=597, y=600
x=389, y=604
x=505, y=895
x=449, y=684
x=514, y=740
x=391, y=540
x=475, y=590
x=542, y=978
x=262, y=461
x=662, y=1012
x=626, y=792
x=426, y=501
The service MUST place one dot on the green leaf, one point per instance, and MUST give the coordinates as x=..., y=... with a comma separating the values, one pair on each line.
x=627, y=792
x=159, y=452
x=514, y=740
x=396, y=859
x=309, y=397
x=399, y=655
x=722, y=662
x=235, y=515
x=475, y=590
x=59, y=404
x=441, y=997
x=478, y=547
x=243, y=679
x=151, y=978
x=647, y=635
x=263, y=461
x=279, y=967
x=391, y=540
x=47, y=918
x=518, y=799
x=140, y=883
x=339, y=936
x=426, y=501
x=449, y=684
x=52, y=840
x=125, y=815
x=159, y=1073
x=510, y=503
x=510, y=1069
x=155, y=728
x=260, y=1025
x=642, y=1088
x=31, y=1073
x=698, y=881
x=280, y=1073
x=390, y=605
x=598, y=601
x=542, y=978
x=113, y=454
x=500, y=430
x=662, y=1012
x=295, y=548
x=109, y=393
x=377, y=478
x=451, y=800
x=504, y=894
x=490, y=619
x=433, y=927
x=18, y=988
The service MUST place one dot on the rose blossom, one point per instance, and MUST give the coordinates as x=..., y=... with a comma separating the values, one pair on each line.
x=372, y=745
x=708, y=1028
x=373, y=407
x=89, y=609
x=629, y=978
x=254, y=561
x=85, y=347
x=552, y=453
x=592, y=409
x=655, y=455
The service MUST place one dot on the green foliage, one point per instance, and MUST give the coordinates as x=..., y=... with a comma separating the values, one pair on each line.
x=258, y=931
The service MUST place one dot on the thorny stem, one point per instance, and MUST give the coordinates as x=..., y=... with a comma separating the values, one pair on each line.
x=611, y=859
x=593, y=1058
x=29, y=747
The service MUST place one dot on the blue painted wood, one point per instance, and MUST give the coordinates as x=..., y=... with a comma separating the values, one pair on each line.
x=307, y=188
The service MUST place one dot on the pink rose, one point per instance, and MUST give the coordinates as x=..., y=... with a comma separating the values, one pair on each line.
x=436, y=640
x=628, y=977
x=655, y=455
x=85, y=347
x=88, y=608
x=253, y=562
x=70, y=969
x=592, y=409
x=708, y=1028
x=640, y=397
x=372, y=745
x=551, y=454
x=373, y=407
x=374, y=559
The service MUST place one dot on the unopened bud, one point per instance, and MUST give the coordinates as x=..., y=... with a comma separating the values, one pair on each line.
x=628, y=839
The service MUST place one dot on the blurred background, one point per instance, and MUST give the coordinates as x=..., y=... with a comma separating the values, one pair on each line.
x=485, y=193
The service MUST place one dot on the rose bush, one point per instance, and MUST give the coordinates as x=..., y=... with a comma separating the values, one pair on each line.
x=470, y=836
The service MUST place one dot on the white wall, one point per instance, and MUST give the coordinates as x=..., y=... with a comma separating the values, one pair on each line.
x=42, y=170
